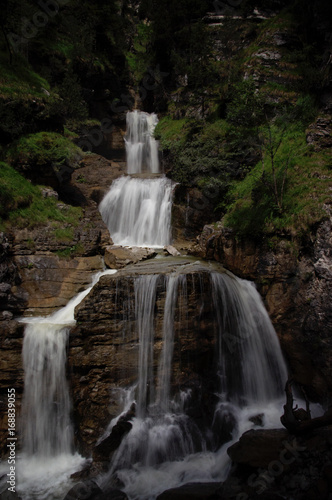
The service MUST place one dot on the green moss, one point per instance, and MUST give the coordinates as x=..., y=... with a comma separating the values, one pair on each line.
x=22, y=204
x=64, y=234
x=19, y=80
x=172, y=132
x=41, y=149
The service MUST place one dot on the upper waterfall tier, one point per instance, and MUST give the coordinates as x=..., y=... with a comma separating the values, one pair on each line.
x=141, y=146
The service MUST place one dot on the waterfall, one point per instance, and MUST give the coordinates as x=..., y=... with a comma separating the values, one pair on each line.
x=166, y=447
x=145, y=298
x=141, y=146
x=137, y=211
x=47, y=433
x=250, y=361
x=46, y=405
x=165, y=365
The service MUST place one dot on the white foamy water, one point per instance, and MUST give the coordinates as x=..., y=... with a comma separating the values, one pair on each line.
x=137, y=212
x=165, y=447
x=47, y=458
x=141, y=146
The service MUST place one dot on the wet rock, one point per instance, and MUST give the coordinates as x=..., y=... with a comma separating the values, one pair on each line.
x=190, y=491
x=103, y=347
x=170, y=250
x=258, y=448
x=9, y=495
x=89, y=490
x=11, y=368
x=257, y=419
x=49, y=282
x=117, y=256
x=105, y=448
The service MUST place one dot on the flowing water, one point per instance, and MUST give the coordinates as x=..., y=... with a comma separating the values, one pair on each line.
x=137, y=211
x=167, y=446
x=141, y=146
x=47, y=458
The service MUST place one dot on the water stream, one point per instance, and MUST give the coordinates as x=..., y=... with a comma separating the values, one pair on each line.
x=136, y=210
x=47, y=458
x=167, y=446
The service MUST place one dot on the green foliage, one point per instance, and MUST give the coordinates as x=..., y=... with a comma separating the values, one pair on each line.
x=72, y=104
x=246, y=104
x=140, y=54
x=22, y=203
x=172, y=132
x=64, y=234
x=42, y=148
x=254, y=212
x=19, y=80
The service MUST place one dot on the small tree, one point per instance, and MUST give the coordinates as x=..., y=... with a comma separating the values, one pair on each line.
x=274, y=178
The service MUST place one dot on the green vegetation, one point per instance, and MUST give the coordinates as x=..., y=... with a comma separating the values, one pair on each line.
x=254, y=211
x=248, y=144
x=19, y=80
x=43, y=148
x=22, y=204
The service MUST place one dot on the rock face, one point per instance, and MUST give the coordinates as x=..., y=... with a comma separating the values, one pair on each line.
x=117, y=256
x=103, y=351
x=274, y=463
x=191, y=210
x=49, y=282
x=36, y=280
x=297, y=291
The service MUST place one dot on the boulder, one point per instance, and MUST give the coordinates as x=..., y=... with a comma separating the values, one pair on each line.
x=117, y=256
x=89, y=490
x=170, y=250
x=259, y=448
x=190, y=491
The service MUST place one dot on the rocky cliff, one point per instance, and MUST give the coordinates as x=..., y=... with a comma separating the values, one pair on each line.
x=296, y=286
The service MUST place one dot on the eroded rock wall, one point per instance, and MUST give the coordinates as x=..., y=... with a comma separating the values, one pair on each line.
x=296, y=284
x=104, y=347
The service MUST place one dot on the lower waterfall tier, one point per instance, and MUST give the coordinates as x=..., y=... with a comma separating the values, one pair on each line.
x=182, y=355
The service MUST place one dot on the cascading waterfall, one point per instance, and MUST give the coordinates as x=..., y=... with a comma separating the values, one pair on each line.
x=47, y=429
x=165, y=447
x=137, y=211
x=47, y=433
x=141, y=146
x=251, y=364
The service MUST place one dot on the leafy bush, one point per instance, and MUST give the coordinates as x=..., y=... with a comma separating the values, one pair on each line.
x=22, y=203
x=41, y=149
